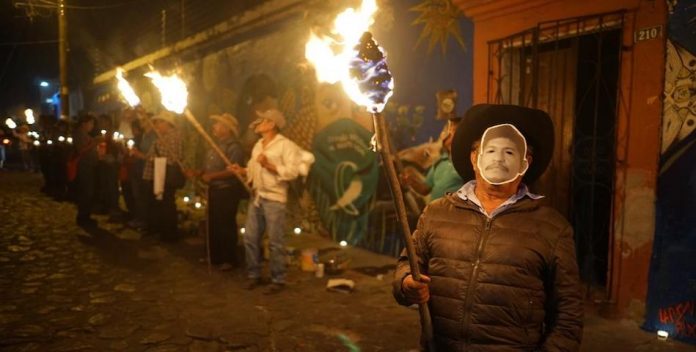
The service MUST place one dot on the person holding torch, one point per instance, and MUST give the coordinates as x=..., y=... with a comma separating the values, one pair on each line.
x=501, y=268
x=162, y=219
x=225, y=190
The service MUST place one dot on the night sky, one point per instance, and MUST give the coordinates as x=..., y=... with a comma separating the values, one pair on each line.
x=102, y=35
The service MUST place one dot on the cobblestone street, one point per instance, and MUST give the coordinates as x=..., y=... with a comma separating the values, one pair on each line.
x=66, y=290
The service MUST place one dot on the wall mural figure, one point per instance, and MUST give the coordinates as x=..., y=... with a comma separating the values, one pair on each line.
x=679, y=119
x=672, y=282
x=439, y=20
x=344, y=176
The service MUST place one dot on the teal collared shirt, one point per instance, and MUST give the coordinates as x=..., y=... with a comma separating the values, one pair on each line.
x=442, y=177
x=466, y=192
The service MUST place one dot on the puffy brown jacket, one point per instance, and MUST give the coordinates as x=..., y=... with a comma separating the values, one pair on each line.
x=509, y=283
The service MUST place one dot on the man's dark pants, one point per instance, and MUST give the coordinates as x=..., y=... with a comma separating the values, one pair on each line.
x=222, y=226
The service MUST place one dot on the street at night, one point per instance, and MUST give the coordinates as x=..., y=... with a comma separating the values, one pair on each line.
x=348, y=175
x=64, y=289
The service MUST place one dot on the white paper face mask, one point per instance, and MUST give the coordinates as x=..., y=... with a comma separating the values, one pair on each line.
x=502, y=154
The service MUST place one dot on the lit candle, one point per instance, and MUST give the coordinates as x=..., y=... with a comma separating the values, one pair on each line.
x=61, y=139
x=29, y=115
x=37, y=143
x=10, y=123
x=103, y=133
x=130, y=144
x=49, y=142
x=69, y=139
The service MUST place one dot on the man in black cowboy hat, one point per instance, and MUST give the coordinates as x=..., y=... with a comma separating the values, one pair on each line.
x=500, y=268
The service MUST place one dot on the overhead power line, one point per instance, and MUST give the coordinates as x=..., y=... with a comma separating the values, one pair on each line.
x=34, y=42
x=52, y=5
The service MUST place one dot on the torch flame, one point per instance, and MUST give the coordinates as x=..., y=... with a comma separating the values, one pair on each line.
x=332, y=58
x=10, y=123
x=29, y=114
x=172, y=89
x=126, y=90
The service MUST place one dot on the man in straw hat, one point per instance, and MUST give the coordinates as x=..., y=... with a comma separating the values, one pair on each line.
x=500, y=268
x=224, y=192
x=162, y=217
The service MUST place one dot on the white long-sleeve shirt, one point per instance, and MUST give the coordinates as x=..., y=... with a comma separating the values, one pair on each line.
x=286, y=156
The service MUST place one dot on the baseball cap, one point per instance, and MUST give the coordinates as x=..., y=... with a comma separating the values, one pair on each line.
x=272, y=114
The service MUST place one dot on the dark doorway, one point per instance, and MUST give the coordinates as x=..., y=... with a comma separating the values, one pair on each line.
x=570, y=69
x=594, y=151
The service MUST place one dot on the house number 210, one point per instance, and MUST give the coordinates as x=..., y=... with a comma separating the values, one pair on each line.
x=647, y=33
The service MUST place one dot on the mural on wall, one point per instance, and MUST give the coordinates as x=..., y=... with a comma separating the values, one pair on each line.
x=672, y=282
x=268, y=69
x=440, y=20
x=344, y=176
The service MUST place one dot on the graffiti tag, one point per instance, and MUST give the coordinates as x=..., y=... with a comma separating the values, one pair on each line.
x=677, y=314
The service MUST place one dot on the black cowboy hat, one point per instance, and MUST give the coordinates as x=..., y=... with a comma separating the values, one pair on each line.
x=535, y=125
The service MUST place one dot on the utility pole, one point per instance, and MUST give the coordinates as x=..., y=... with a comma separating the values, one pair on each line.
x=63, y=60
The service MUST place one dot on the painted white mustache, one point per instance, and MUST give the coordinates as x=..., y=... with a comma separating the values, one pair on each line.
x=497, y=166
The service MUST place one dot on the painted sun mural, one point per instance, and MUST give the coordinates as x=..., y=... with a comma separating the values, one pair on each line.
x=440, y=20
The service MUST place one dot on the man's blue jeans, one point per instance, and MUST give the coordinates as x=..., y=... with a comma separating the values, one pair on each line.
x=268, y=215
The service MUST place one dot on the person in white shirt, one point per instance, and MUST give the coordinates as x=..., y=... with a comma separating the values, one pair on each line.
x=275, y=161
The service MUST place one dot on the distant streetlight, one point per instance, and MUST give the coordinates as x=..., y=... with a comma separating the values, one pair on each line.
x=44, y=84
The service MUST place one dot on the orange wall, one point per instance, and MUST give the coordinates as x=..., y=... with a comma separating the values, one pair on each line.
x=639, y=123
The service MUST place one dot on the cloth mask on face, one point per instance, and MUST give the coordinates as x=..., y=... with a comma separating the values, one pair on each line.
x=502, y=155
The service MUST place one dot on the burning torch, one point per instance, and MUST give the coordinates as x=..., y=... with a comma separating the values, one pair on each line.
x=174, y=98
x=126, y=90
x=362, y=69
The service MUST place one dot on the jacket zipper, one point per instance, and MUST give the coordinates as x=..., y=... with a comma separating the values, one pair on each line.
x=474, y=276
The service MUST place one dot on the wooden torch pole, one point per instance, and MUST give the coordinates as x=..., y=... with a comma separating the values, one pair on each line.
x=393, y=180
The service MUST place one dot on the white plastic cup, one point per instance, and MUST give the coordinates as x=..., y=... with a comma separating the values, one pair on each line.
x=319, y=272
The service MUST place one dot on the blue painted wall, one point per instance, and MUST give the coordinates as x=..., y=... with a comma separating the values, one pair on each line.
x=671, y=304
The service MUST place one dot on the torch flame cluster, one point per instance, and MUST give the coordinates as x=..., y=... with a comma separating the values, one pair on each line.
x=172, y=89
x=334, y=55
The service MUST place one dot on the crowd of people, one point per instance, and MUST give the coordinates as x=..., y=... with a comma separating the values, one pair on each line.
x=130, y=170
x=496, y=267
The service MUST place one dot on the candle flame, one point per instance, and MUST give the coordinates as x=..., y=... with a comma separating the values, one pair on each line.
x=172, y=89
x=29, y=114
x=10, y=123
x=125, y=88
x=333, y=56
